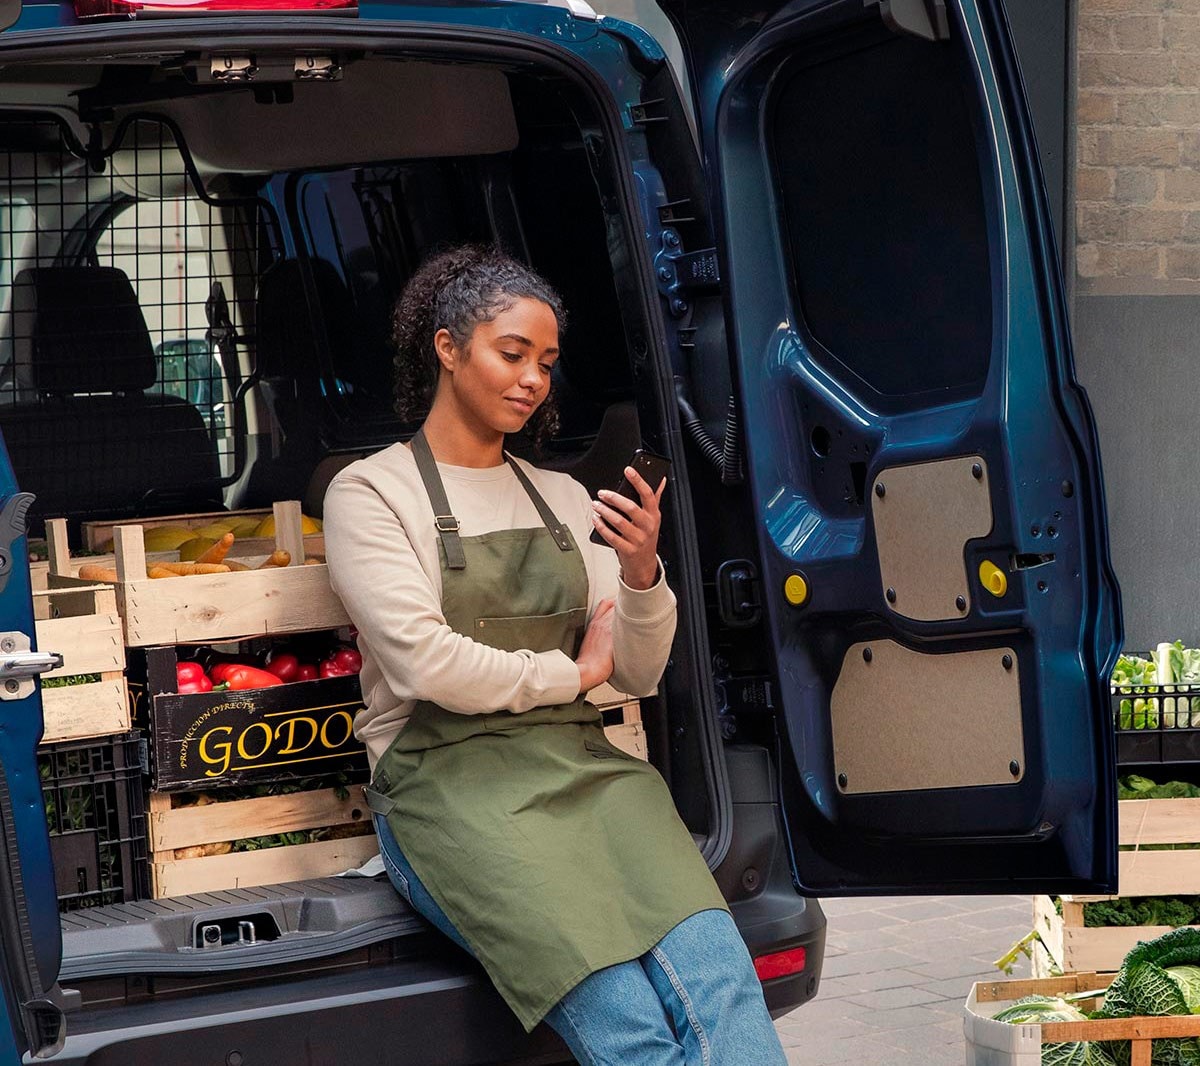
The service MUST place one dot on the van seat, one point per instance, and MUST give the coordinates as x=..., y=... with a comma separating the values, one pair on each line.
x=95, y=443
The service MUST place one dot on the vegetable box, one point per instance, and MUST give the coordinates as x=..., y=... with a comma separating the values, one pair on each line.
x=204, y=843
x=210, y=739
x=1142, y=825
x=211, y=607
x=86, y=696
x=996, y=1043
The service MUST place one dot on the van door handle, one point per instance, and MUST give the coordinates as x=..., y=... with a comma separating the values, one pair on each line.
x=23, y=665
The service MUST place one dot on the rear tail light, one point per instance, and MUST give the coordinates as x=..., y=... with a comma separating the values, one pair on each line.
x=780, y=964
x=134, y=8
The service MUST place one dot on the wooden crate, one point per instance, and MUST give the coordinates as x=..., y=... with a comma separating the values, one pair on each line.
x=212, y=608
x=1073, y=946
x=98, y=536
x=82, y=625
x=206, y=740
x=1001, y=1044
x=174, y=828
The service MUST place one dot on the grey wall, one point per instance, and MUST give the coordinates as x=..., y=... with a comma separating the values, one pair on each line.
x=1136, y=356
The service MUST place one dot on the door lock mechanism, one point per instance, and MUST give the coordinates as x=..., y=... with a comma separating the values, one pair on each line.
x=19, y=666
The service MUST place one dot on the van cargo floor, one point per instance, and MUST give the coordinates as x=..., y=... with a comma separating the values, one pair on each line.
x=234, y=929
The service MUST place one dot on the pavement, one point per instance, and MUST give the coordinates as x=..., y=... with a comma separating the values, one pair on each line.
x=896, y=973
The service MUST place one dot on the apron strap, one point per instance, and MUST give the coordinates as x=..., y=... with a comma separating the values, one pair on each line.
x=446, y=523
x=377, y=802
x=557, y=530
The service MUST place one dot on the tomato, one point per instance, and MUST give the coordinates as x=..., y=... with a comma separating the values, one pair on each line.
x=306, y=672
x=284, y=667
x=332, y=668
x=348, y=659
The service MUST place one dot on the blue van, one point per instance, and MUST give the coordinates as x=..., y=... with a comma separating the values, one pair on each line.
x=822, y=280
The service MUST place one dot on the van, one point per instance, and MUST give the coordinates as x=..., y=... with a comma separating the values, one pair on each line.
x=821, y=279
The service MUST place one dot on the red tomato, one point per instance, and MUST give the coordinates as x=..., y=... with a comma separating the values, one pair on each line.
x=348, y=659
x=306, y=672
x=284, y=667
x=332, y=668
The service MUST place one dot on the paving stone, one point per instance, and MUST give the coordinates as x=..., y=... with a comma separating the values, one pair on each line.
x=863, y=921
x=867, y=982
x=886, y=998
x=866, y=941
x=902, y=1017
x=924, y=908
x=869, y=961
x=896, y=973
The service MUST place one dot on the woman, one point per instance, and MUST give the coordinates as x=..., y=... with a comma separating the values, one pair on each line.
x=485, y=616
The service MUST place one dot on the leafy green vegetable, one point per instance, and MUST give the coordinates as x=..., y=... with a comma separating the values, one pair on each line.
x=70, y=679
x=1173, y=911
x=1038, y=1009
x=1188, y=980
x=1145, y=985
x=1133, y=671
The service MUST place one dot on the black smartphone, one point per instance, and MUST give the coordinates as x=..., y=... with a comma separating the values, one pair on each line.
x=652, y=467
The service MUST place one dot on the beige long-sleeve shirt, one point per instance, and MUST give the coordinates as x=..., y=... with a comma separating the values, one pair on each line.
x=381, y=547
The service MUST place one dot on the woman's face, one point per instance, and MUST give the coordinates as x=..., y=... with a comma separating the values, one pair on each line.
x=504, y=374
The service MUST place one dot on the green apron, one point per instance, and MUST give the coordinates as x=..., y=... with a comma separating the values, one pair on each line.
x=551, y=851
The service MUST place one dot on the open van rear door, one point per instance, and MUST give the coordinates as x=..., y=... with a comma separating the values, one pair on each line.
x=924, y=467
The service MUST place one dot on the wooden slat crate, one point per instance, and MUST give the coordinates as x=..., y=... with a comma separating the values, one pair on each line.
x=1142, y=873
x=1001, y=1044
x=622, y=719
x=97, y=536
x=175, y=828
x=212, y=608
x=82, y=624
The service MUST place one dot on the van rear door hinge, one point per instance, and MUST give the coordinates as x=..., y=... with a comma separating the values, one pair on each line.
x=678, y=272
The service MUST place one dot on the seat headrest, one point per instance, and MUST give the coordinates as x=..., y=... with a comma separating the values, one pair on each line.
x=286, y=344
x=80, y=329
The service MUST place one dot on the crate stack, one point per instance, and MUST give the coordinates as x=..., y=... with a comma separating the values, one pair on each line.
x=248, y=787
x=1159, y=838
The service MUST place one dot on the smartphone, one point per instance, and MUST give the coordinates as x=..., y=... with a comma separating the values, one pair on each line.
x=652, y=467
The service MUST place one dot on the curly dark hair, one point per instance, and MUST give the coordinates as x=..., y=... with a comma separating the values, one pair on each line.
x=455, y=290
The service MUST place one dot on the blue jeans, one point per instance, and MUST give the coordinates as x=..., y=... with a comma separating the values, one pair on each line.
x=692, y=1000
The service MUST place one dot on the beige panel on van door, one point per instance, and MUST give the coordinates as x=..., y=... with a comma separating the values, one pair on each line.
x=905, y=720
x=924, y=515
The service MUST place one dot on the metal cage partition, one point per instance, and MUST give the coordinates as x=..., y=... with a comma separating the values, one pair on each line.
x=127, y=311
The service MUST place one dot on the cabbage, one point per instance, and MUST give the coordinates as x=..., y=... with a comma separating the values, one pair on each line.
x=1188, y=980
x=1147, y=984
x=1038, y=1009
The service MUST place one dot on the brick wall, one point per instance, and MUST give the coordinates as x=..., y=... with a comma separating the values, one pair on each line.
x=1138, y=147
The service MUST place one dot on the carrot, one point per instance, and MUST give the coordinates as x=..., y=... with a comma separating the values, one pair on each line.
x=218, y=551
x=235, y=566
x=279, y=557
x=185, y=569
x=159, y=571
x=96, y=572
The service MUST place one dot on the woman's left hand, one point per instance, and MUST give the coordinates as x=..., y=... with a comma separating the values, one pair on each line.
x=631, y=528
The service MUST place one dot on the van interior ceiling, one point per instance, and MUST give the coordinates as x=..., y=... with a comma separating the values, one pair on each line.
x=195, y=314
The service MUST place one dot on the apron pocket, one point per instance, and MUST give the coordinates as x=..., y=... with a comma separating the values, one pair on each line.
x=534, y=632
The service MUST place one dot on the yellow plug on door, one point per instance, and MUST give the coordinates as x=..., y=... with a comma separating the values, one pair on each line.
x=993, y=578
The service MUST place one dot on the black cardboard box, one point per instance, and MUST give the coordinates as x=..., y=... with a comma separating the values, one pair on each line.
x=209, y=739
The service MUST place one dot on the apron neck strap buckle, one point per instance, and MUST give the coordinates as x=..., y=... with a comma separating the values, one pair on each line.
x=446, y=523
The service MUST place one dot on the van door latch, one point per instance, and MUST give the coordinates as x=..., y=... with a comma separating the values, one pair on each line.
x=679, y=273
x=233, y=68
x=317, y=68
x=19, y=666
x=738, y=601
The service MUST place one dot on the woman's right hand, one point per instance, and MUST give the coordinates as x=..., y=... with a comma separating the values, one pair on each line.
x=595, y=658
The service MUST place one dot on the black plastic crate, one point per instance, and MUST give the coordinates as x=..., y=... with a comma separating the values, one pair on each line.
x=96, y=812
x=1156, y=724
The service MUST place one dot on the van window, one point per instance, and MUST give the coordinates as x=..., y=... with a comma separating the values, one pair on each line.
x=878, y=172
